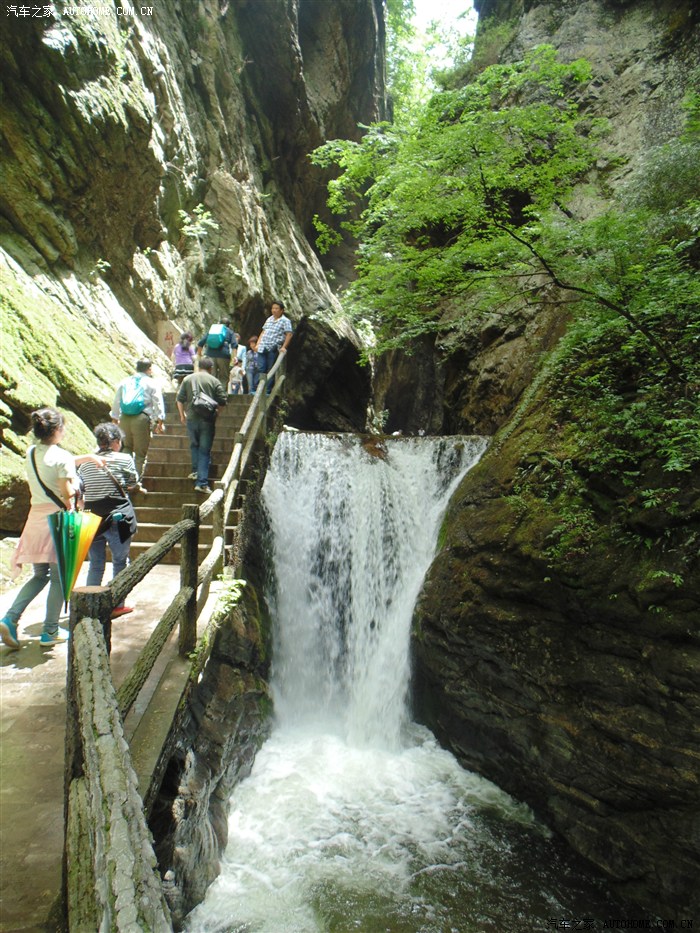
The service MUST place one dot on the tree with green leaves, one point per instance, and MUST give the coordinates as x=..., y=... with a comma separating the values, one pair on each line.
x=470, y=200
x=444, y=194
x=399, y=33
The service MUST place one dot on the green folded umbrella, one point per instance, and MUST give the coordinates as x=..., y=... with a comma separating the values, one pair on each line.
x=72, y=533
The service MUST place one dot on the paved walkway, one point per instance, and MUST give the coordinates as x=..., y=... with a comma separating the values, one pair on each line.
x=32, y=731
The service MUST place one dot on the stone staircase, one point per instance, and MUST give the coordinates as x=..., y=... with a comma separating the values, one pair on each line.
x=166, y=473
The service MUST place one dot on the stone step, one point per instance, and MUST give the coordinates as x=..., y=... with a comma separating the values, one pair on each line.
x=152, y=531
x=178, y=471
x=236, y=406
x=158, y=483
x=233, y=401
x=166, y=490
x=224, y=428
x=170, y=514
x=178, y=447
x=163, y=498
x=172, y=557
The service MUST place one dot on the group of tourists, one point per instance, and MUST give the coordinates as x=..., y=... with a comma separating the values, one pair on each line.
x=223, y=367
x=104, y=481
x=237, y=366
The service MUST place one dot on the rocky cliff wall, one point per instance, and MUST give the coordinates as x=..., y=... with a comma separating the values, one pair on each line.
x=574, y=684
x=155, y=169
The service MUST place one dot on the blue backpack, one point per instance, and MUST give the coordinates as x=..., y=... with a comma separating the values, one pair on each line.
x=217, y=336
x=133, y=400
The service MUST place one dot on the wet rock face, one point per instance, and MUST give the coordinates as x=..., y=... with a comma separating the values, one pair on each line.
x=156, y=168
x=563, y=688
x=316, y=87
x=327, y=389
x=576, y=688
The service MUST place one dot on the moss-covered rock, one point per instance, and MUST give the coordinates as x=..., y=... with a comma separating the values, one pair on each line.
x=51, y=355
x=561, y=658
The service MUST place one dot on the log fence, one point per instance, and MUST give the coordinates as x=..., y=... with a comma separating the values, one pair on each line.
x=110, y=876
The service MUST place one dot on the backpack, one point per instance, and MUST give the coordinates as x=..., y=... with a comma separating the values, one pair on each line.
x=133, y=399
x=216, y=336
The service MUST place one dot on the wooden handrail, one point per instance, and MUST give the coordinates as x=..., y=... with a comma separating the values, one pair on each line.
x=125, y=581
x=138, y=675
x=94, y=803
x=108, y=850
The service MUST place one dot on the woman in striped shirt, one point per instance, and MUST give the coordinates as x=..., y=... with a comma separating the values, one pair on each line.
x=106, y=492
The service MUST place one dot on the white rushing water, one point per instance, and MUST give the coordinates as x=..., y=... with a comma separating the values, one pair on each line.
x=353, y=818
x=354, y=534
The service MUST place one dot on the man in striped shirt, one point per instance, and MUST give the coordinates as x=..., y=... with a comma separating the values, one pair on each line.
x=274, y=339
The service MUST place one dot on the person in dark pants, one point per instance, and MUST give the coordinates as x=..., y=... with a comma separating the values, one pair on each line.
x=251, y=366
x=199, y=400
x=274, y=339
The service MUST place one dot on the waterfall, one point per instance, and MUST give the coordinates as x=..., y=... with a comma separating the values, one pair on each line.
x=354, y=531
x=352, y=817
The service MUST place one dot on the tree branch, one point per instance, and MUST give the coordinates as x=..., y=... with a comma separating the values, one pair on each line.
x=634, y=323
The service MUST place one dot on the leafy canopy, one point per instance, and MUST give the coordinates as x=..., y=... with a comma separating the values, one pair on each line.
x=440, y=195
x=467, y=204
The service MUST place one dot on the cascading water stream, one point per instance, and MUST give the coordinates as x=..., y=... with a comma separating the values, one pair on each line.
x=353, y=818
x=354, y=533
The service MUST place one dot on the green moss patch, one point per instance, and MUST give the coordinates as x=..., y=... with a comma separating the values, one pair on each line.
x=52, y=356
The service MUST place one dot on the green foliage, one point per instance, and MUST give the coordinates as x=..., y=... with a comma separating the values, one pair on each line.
x=399, y=58
x=231, y=591
x=470, y=201
x=470, y=57
x=443, y=193
x=198, y=224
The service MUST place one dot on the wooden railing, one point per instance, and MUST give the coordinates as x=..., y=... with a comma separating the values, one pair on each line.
x=110, y=877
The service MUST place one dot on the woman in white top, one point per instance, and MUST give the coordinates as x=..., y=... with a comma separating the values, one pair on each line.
x=57, y=470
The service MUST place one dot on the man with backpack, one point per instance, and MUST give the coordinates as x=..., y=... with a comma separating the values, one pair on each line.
x=199, y=399
x=139, y=410
x=217, y=344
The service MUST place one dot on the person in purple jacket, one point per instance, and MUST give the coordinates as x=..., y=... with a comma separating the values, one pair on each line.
x=183, y=357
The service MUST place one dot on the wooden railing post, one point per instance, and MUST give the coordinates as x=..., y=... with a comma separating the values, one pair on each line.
x=218, y=522
x=189, y=565
x=264, y=405
x=86, y=602
x=93, y=602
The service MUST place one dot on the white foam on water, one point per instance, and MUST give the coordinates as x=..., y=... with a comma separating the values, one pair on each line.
x=320, y=820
